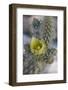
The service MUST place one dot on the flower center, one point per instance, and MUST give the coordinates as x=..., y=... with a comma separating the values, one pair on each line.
x=39, y=46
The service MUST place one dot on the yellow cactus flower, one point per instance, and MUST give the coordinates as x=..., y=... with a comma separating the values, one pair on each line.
x=37, y=46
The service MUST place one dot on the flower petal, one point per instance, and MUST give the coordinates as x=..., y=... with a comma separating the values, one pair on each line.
x=37, y=46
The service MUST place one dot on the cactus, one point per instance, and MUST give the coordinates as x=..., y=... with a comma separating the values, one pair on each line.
x=35, y=63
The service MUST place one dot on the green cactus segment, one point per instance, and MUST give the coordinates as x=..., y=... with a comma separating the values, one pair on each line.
x=47, y=28
x=36, y=23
